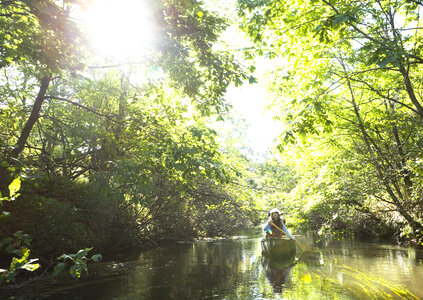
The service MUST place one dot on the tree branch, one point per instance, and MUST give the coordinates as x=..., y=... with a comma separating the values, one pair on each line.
x=33, y=117
x=110, y=117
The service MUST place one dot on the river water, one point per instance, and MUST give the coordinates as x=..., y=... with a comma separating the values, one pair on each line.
x=234, y=268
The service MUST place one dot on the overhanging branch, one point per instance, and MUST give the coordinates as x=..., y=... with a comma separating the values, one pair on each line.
x=110, y=117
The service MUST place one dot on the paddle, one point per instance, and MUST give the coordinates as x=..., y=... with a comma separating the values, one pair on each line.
x=301, y=245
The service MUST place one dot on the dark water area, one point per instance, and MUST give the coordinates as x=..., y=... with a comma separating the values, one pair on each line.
x=234, y=268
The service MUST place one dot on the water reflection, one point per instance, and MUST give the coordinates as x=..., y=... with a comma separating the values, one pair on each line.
x=277, y=270
x=418, y=256
x=235, y=269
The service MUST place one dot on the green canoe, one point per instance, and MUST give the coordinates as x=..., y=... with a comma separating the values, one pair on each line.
x=278, y=248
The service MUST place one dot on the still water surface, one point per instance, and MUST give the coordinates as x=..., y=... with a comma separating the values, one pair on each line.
x=235, y=269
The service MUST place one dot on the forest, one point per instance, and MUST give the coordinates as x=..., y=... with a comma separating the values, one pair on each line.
x=99, y=154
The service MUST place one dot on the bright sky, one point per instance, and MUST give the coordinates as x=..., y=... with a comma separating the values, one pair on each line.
x=114, y=31
x=250, y=101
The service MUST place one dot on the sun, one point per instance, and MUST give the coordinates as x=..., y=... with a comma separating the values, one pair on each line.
x=119, y=29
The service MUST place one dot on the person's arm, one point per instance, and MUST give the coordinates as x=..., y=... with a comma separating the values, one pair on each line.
x=286, y=230
x=267, y=226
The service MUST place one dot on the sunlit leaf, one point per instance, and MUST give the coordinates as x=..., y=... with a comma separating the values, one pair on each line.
x=14, y=187
x=76, y=271
x=306, y=278
x=30, y=267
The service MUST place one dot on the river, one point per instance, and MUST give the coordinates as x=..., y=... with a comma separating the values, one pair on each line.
x=234, y=268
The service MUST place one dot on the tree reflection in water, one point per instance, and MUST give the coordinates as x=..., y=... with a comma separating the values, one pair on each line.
x=235, y=269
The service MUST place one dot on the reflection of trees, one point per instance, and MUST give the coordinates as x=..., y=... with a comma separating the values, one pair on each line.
x=235, y=270
x=182, y=271
x=419, y=255
x=205, y=269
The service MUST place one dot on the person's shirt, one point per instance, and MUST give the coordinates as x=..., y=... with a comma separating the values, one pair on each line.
x=268, y=227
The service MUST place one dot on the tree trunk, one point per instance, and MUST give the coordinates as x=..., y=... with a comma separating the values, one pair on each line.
x=415, y=225
x=410, y=90
x=5, y=176
x=32, y=118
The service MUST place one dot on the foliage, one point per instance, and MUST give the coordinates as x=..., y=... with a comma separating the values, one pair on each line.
x=79, y=261
x=347, y=87
x=39, y=34
x=186, y=53
x=18, y=247
x=106, y=157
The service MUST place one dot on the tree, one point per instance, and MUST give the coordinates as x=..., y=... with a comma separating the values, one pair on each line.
x=102, y=157
x=349, y=72
x=40, y=38
x=183, y=52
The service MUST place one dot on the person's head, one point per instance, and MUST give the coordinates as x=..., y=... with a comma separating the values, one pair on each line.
x=275, y=214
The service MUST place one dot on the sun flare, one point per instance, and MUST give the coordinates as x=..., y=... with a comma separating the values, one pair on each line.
x=120, y=29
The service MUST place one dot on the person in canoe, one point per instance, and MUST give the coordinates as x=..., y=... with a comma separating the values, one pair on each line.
x=275, y=225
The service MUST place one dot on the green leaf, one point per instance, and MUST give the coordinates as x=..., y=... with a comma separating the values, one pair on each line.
x=76, y=271
x=386, y=61
x=10, y=248
x=252, y=80
x=66, y=256
x=17, y=252
x=82, y=253
x=14, y=187
x=341, y=19
x=58, y=268
x=97, y=257
x=10, y=276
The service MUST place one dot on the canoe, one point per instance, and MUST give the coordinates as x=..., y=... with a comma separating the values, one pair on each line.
x=278, y=248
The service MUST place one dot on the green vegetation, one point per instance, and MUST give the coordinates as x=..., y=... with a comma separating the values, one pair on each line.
x=108, y=155
x=101, y=158
x=346, y=86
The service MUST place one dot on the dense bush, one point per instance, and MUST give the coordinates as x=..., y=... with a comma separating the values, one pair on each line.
x=62, y=215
